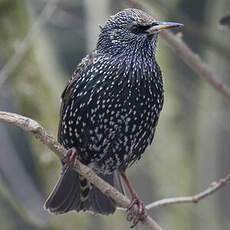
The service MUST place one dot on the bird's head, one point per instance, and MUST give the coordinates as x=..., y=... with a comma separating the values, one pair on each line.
x=129, y=29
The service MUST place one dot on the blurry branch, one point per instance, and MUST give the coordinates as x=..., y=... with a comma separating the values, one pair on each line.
x=21, y=50
x=215, y=186
x=41, y=134
x=16, y=206
x=196, y=64
x=192, y=59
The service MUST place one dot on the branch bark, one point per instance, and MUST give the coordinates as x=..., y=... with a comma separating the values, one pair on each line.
x=42, y=135
x=215, y=186
x=194, y=61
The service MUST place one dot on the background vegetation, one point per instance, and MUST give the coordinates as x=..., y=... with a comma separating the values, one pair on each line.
x=40, y=44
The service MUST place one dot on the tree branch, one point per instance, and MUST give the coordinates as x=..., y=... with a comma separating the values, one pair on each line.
x=42, y=135
x=194, y=61
x=215, y=186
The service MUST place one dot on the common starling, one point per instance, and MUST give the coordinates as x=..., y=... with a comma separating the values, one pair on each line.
x=110, y=109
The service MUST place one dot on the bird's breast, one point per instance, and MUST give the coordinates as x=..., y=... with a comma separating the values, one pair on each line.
x=112, y=115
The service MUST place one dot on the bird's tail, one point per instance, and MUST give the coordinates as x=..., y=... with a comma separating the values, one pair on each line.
x=73, y=192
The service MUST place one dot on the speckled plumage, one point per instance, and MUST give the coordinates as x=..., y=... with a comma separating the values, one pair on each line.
x=111, y=105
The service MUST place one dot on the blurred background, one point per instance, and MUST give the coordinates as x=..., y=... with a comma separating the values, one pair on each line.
x=41, y=42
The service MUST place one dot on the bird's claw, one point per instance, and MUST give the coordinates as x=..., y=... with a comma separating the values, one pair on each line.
x=134, y=215
x=70, y=157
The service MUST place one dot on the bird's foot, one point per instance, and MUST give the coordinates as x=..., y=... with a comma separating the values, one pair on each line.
x=135, y=215
x=70, y=157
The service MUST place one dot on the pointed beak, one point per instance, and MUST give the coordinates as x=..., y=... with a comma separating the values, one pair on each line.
x=159, y=26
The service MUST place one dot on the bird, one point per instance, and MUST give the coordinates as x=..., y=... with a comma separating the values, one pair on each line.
x=109, y=112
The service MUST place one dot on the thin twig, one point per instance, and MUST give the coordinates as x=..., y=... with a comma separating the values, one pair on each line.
x=194, y=61
x=21, y=50
x=41, y=134
x=191, y=59
x=215, y=186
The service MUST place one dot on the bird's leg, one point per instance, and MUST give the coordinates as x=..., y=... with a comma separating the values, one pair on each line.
x=68, y=160
x=132, y=216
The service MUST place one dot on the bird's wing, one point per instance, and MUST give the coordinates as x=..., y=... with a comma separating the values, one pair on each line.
x=68, y=91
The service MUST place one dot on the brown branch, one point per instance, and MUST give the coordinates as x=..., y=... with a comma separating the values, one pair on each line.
x=190, y=58
x=194, y=61
x=215, y=186
x=41, y=134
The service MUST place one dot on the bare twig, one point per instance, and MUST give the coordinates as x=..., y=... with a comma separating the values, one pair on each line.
x=195, y=62
x=215, y=186
x=41, y=134
x=21, y=50
x=191, y=59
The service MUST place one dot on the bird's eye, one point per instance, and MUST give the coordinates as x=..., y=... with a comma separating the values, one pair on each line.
x=139, y=29
x=154, y=24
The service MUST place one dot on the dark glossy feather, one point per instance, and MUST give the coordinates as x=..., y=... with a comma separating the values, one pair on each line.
x=110, y=109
